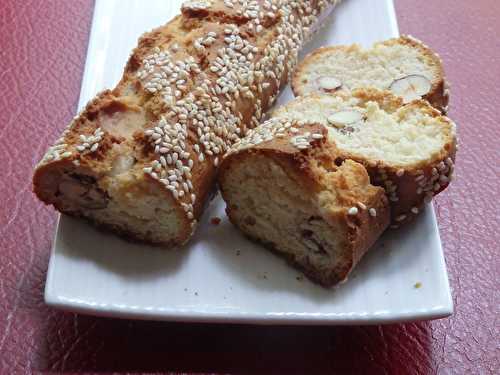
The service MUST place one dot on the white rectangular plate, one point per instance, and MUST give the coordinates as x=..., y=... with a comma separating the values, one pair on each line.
x=220, y=276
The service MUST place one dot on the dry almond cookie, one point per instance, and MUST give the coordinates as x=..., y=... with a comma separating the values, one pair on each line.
x=409, y=149
x=283, y=188
x=405, y=66
x=141, y=159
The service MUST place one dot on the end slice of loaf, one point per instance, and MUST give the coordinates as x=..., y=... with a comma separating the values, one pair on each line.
x=405, y=66
x=141, y=159
x=409, y=149
x=283, y=188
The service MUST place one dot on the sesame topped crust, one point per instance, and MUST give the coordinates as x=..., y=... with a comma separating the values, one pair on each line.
x=190, y=90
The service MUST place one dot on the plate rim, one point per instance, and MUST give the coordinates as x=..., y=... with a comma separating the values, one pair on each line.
x=248, y=319
x=124, y=311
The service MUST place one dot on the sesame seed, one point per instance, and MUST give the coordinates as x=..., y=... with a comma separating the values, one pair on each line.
x=373, y=212
x=422, y=183
x=443, y=179
x=353, y=211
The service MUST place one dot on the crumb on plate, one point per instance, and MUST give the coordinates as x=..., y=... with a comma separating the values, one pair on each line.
x=215, y=220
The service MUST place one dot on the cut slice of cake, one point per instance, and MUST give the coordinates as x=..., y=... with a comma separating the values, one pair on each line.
x=409, y=149
x=405, y=66
x=283, y=188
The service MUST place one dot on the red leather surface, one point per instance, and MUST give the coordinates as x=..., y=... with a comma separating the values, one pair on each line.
x=42, y=53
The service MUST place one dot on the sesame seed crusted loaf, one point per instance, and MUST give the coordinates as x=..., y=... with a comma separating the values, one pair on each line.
x=405, y=66
x=409, y=149
x=140, y=159
x=283, y=188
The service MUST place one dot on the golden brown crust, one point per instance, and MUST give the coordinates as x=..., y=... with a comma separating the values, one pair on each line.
x=438, y=96
x=314, y=169
x=179, y=79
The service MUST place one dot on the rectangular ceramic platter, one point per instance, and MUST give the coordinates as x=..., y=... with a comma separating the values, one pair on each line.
x=220, y=276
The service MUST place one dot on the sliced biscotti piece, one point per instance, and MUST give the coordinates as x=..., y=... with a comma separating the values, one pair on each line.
x=283, y=188
x=408, y=149
x=141, y=159
x=405, y=66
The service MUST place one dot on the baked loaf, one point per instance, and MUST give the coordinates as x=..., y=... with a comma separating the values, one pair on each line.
x=283, y=188
x=141, y=159
x=408, y=149
x=405, y=66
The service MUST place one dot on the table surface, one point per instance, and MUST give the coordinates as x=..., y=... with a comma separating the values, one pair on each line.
x=42, y=55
